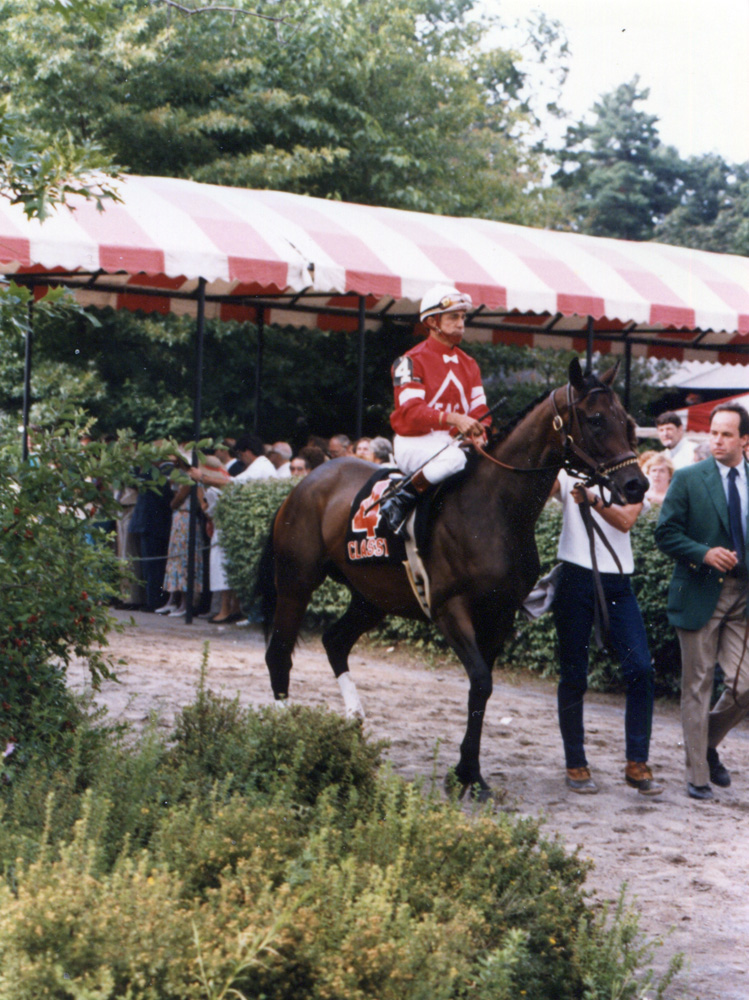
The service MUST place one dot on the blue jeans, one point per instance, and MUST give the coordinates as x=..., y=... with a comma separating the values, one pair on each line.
x=573, y=617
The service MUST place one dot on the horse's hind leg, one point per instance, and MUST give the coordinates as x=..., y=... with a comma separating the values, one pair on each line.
x=295, y=587
x=455, y=622
x=360, y=616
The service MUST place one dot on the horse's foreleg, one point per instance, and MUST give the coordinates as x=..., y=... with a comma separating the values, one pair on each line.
x=454, y=620
x=339, y=640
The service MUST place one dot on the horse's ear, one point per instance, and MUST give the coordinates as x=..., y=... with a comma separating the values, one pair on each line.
x=608, y=377
x=577, y=381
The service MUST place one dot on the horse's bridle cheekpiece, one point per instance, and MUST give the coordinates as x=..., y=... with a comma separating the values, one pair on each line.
x=576, y=461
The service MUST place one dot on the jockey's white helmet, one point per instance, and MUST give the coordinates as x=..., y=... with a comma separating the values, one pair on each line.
x=444, y=299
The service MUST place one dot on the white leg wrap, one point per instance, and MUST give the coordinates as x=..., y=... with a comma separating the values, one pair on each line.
x=281, y=704
x=354, y=708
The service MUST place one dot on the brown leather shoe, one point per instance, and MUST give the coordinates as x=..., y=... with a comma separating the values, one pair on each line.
x=580, y=781
x=638, y=775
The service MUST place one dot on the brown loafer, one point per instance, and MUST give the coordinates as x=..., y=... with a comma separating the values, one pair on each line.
x=638, y=775
x=580, y=781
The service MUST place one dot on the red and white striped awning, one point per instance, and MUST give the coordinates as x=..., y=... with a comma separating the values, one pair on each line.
x=696, y=418
x=286, y=253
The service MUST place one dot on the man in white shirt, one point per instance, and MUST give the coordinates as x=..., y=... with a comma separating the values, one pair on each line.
x=251, y=451
x=671, y=432
x=573, y=609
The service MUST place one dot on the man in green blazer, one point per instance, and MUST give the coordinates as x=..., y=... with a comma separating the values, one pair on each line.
x=703, y=526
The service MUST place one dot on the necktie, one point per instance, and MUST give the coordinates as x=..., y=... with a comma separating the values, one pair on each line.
x=734, y=514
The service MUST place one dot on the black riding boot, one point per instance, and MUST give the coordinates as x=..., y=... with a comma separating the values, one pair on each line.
x=397, y=508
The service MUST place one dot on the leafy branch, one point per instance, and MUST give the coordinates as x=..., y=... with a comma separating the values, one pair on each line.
x=212, y=8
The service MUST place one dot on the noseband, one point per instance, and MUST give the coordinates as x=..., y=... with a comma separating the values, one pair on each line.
x=576, y=461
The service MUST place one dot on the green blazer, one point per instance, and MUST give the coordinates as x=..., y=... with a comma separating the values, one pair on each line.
x=693, y=519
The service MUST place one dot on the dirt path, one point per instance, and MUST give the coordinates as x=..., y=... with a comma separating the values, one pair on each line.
x=686, y=863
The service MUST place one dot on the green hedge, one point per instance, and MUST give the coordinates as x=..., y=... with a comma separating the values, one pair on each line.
x=245, y=514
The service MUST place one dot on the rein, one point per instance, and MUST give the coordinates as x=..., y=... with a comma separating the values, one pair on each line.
x=576, y=461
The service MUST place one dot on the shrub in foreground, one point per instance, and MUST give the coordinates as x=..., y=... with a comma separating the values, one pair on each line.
x=314, y=878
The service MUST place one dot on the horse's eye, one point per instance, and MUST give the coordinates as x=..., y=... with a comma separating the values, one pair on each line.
x=597, y=422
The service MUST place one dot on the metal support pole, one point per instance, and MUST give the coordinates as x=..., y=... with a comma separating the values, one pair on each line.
x=627, y=373
x=259, y=367
x=360, y=377
x=192, y=533
x=27, y=379
x=589, y=349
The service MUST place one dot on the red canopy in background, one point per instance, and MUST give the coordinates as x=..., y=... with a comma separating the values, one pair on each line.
x=697, y=417
x=316, y=262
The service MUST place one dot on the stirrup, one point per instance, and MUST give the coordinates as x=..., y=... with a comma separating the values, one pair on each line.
x=396, y=510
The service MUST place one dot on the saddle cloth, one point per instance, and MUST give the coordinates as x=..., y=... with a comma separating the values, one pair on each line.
x=368, y=538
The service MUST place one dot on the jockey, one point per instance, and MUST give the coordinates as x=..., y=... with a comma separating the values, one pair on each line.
x=438, y=394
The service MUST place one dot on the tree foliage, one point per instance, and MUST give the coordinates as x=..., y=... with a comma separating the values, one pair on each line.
x=620, y=180
x=389, y=103
x=619, y=177
x=58, y=570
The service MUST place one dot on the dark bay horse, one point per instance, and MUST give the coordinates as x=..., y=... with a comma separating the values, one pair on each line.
x=482, y=559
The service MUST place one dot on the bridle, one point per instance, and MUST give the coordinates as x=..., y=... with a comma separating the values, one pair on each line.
x=576, y=461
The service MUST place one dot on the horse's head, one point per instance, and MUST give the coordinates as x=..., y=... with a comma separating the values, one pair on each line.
x=601, y=442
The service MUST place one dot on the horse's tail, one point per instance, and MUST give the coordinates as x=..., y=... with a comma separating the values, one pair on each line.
x=264, y=589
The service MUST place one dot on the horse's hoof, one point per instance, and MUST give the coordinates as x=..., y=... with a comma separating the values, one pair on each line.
x=478, y=790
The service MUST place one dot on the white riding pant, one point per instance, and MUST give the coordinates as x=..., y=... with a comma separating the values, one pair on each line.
x=412, y=452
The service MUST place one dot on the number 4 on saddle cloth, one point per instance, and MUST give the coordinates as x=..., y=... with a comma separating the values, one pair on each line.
x=369, y=540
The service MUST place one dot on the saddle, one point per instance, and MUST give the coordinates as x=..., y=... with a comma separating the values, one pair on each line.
x=369, y=540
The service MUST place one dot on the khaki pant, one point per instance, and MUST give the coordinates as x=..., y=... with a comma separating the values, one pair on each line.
x=700, y=650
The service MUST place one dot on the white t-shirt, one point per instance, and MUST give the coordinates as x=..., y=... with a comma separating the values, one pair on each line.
x=261, y=468
x=682, y=454
x=574, y=546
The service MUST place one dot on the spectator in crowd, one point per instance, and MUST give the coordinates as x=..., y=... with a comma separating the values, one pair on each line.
x=702, y=526
x=574, y=615
x=315, y=441
x=280, y=457
x=659, y=469
x=363, y=449
x=645, y=456
x=228, y=610
x=382, y=451
x=150, y=525
x=175, y=577
x=226, y=455
x=339, y=446
x=702, y=451
x=128, y=550
x=251, y=451
x=312, y=455
x=300, y=466
x=671, y=432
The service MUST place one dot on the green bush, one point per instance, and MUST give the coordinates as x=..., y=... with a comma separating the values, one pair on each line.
x=58, y=570
x=363, y=887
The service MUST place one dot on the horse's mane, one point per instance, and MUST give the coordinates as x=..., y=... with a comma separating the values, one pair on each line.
x=502, y=433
